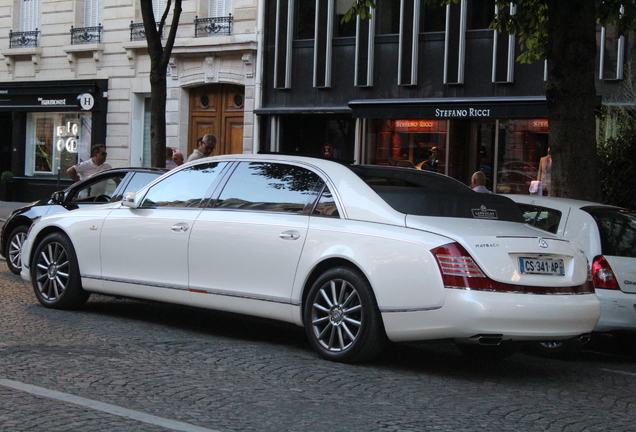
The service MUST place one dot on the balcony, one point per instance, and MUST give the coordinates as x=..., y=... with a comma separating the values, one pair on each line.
x=86, y=35
x=26, y=39
x=219, y=26
x=138, y=33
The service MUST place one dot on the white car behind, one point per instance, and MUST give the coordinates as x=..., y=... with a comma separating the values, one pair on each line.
x=608, y=235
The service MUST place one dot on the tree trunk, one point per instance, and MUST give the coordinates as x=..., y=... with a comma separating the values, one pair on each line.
x=158, y=118
x=571, y=98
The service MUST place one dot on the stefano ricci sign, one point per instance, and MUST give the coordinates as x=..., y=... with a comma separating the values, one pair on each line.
x=484, y=213
x=462, y=112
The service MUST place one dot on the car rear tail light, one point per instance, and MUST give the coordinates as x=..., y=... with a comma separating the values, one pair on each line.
x=602, y=275
x=460, y=271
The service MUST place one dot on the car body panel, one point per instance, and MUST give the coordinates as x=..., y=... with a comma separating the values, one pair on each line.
x=27, y=214
x=263, y=263
x=579, y=226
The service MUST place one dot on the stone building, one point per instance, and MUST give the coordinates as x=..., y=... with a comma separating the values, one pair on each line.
x=76, y=73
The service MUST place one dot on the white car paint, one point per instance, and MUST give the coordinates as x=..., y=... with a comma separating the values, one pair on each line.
x=245, y=261
x=576, y=225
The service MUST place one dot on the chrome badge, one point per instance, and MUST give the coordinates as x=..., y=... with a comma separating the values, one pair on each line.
x=542, y=243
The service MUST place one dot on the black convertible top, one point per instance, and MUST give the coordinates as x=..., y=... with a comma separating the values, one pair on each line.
x=425, y=193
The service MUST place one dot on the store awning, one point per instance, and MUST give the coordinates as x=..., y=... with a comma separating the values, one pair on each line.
x=451, y=108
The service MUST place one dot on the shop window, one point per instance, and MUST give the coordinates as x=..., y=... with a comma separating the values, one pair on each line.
x=318, y=136
x=305, y=19
x=56, y=141
x=522, y=144
x=415, y=143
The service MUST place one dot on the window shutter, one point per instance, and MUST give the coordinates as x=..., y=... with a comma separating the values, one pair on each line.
x=29, y=15
x=92, y=13
x=219, y=8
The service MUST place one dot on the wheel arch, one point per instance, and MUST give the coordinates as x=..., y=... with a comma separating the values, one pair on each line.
x=319, y=269
x=13, y=224
x=40, y=236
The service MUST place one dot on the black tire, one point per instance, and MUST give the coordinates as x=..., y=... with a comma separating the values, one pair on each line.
x=14, y=243
x=489, y=352
x=55, y=274
x=558, y=350
x=342, y=319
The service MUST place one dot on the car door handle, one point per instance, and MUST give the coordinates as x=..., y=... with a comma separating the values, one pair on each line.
x=289, y=235
x=180, y=227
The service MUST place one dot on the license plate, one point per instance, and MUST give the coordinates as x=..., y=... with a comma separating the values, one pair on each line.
x=552, y=267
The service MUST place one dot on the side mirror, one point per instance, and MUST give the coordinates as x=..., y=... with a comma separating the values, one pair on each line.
x=57, y=197
x=129, y=200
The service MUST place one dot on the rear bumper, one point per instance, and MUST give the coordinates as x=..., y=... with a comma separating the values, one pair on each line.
x=618, y=311
x=520, y=317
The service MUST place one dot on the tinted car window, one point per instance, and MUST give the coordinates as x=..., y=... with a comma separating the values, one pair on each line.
x=270, y=186
x=91, y=191
x=618, y=230
x=185, y=188
x=326, y=205
x=423, y=193
x=541, y=217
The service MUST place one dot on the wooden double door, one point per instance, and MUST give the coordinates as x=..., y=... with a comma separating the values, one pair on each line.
x=217, y=109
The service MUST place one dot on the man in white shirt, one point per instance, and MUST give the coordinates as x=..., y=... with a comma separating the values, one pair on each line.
x=95, y=164
x=478, y=182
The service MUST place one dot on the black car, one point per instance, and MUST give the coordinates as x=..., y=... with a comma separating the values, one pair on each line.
x=103, y=187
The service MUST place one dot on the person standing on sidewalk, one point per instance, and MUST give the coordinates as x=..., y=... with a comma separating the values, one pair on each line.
x=95, y=164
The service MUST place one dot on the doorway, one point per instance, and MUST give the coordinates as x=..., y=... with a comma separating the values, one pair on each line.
x=217, y=109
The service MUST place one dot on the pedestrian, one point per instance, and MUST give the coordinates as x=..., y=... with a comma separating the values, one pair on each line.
x=169, y=155
x=478, y=182
x=95, y=164
x=205, y=147
x=177, y=158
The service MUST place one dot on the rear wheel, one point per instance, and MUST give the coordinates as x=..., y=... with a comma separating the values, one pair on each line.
x=55, y=274
x=14, y=245
x=342, y=319
x=559, y=350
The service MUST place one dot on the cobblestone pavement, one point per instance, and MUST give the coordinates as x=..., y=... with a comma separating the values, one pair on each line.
x=123, y=365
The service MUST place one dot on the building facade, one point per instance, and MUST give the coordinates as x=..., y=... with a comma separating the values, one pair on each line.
x=76, y=73
x=416, y=86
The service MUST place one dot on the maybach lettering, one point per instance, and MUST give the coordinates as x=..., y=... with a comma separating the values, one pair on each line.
x=470, y=112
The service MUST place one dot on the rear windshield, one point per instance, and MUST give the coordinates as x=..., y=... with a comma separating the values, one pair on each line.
x=617, y=228
x=541, y=217
x=424, y=193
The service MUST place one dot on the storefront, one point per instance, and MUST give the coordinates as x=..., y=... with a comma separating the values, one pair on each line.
x=52, y=126
x=503, y=137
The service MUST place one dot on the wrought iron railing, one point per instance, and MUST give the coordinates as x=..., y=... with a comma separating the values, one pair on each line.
x=219, y=26
x=138, y=32
x=26, y=39
x=86, y=35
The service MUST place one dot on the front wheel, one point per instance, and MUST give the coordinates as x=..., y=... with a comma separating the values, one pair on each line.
x=55, y=274
x=14, y=247
x=342, y=319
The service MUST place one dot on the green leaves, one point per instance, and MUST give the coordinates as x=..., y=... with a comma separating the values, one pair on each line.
x=361, y=8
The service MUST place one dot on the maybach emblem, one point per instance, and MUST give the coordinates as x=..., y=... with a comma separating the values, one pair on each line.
x=542, y=243
x=484, y=213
